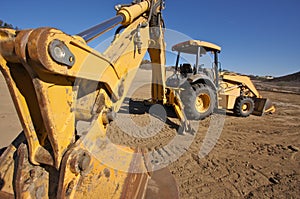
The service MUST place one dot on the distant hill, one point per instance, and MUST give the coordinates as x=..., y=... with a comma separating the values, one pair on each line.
x=295, y=77
x=284, y=84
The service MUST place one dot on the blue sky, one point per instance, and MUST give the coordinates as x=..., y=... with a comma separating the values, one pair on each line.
x=257, y=37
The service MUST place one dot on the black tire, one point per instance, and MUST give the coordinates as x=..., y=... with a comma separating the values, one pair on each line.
x=199, y=101
x=243, y=107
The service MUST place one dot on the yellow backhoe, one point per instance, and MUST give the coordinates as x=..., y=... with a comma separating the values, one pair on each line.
x=205, y=88
x=56, y=81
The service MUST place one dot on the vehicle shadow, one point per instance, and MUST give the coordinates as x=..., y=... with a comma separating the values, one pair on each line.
x=140, y=107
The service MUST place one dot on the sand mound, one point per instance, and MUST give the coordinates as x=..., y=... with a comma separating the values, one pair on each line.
x=295, y=77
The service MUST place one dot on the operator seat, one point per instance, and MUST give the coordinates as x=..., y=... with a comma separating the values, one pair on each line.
x=186, y=68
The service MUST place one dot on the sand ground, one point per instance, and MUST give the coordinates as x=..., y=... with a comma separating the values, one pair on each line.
x=254, y=157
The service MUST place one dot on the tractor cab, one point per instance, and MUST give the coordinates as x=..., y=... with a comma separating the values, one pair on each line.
x=193, y=61
x=233, y=92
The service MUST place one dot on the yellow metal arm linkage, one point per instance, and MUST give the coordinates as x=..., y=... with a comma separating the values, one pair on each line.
x=49, y=74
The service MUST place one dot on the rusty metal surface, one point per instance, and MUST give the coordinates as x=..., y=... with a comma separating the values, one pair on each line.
x=136, y=183
x=22, y=91
x=44, y=103
x=55, y=162
x=7, y=163
x=33, y=181
x=20, y=179
x=7, y=44
x=84, y=169
x=162, y=185
x=4, y=195
x=45, y=106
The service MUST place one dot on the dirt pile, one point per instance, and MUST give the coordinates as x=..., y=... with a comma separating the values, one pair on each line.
x=255, y=157
x=295, y=77
x=284, y=84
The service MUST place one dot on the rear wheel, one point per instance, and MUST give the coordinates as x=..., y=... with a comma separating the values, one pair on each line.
x=199, y=101
x=244, y=106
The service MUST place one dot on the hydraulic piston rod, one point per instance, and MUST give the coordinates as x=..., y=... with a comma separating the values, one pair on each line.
x=124, y=16
x=101, y=28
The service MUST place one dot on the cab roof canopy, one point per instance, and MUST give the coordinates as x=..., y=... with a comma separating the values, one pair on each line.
x=191, y=46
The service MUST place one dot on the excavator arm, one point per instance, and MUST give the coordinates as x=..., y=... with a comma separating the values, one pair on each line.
x=57, y=80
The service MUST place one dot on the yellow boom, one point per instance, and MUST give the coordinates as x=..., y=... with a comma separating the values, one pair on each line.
x=56, y=80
